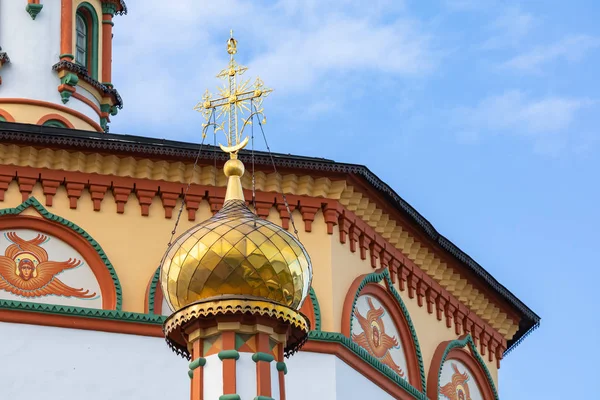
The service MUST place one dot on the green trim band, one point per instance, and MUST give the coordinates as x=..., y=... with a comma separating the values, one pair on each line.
x=66, y=55
x=260, y=356
x=198, y=362
x=281, y=367
x=263, y=398
x=468, y=340
x=112, y=315
x=385, y=275
x=152, y=291
x=230, y=397
x=191, y=374
x=32, y=202
x=229, y=355
x=316, y=308
x=335, y=337
x=108, y=23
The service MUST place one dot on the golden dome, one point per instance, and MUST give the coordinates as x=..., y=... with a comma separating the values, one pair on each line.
x=236, y=253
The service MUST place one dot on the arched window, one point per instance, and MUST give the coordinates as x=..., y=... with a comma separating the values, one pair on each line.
x=55, y=123
x=86, y=38
x=81, y=44
x=2, y=119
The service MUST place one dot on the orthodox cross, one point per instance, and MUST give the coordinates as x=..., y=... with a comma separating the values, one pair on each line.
x=235, y=100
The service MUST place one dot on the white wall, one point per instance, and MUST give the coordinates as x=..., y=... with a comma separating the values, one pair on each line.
x=323, y=376
x=68, y=364
x=33, y=47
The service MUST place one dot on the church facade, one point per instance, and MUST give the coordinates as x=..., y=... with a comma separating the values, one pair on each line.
x=394, y=310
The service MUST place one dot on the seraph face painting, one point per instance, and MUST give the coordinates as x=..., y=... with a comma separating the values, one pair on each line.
x=374, y=330
x=32, y=263
x=457, y=383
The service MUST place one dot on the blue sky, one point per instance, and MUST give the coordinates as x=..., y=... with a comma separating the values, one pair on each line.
x=482, y=114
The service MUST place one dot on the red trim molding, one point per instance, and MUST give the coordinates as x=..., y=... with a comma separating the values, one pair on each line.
x=74, y=322
x=58, y=107
x=7, y=116
x=87, y=101
x=56, y=117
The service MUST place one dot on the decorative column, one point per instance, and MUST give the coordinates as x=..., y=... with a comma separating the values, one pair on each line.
x=66, y=30
x=108, y=12
x=238, y=355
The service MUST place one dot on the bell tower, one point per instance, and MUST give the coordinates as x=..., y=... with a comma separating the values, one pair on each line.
x=55, y=62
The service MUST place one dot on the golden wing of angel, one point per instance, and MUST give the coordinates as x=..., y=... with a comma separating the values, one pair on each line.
x=389, y=361
x=26, y=271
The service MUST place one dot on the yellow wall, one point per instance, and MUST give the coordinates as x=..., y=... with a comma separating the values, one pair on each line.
x=135, y=245
x=31, y=114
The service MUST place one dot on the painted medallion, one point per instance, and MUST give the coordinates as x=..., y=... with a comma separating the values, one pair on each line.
x=457, y=383
x=374, y=330
x=40, y=268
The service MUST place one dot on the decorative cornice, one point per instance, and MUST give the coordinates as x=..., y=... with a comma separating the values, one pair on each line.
x=334, y=337
x=32, y=202
x=114, y=7
x=385, y=276
x=175, y=323
x=33, y=9
x=153, y=148
x=82, y=73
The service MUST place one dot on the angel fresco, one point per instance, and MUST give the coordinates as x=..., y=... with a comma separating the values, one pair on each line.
x=26, y=271
x=374, y=339
x=458, y=389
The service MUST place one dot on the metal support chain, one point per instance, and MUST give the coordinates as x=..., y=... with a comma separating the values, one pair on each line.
x=189, y=184
x=253, y=174
x=287, y=207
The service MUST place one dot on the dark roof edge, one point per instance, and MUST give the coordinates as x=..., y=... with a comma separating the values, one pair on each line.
x=94, y=141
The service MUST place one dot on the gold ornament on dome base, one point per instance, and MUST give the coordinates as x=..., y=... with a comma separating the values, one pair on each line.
x=235, y=262
x=293, y=324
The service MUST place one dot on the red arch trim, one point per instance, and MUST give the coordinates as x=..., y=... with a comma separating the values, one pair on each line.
x=50, y=117
x=91, y=257
x=386, y=299
x=6, y=115
x=467, y=359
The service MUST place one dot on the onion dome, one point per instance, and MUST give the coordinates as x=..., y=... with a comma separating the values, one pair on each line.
x=235, y=262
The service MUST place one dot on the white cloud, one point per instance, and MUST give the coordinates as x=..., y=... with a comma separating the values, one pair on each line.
x=509, y=28
x=571, y=48
x=165, y=57
x=545, y=121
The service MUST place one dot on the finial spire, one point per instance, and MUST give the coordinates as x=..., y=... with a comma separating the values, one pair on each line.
x=235, y=101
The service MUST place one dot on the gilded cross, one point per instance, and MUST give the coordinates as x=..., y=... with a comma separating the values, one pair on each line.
x=236, y=99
